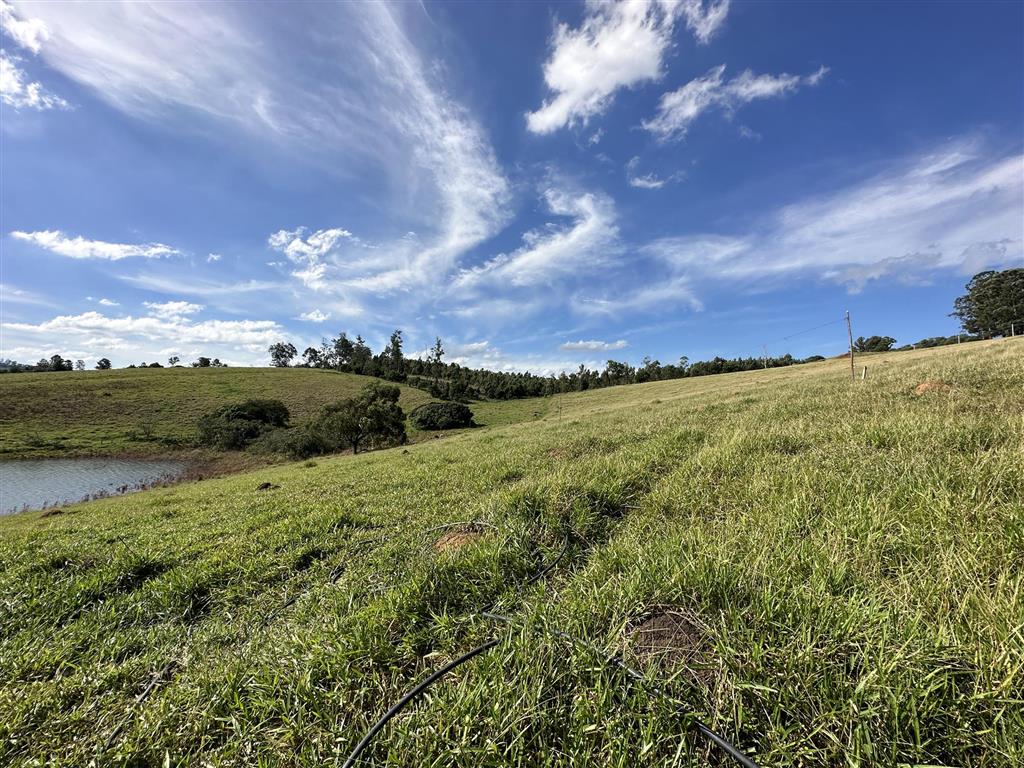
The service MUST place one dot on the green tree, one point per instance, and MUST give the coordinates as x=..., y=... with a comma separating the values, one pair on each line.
x=371, y=418
x=282, y=353
x=80, y=365
x=360, y=356
x=874, y=343
x=103, y=364
x=173, y=360
x=311, y=357
x=436, y=360
x=202, y=362
x=392, y=359
x=993, y=304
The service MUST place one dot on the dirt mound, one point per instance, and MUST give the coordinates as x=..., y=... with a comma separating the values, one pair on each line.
x=669, y=638
x=932, y=385
x=456, y=539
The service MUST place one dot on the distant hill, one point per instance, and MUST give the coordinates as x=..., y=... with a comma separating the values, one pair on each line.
x=150, y=410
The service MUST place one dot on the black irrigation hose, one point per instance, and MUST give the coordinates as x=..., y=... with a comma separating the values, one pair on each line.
x=401, y=703
x=706, y=732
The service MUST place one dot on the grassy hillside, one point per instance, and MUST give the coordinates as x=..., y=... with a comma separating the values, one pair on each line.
x=827, y=574
x=153, y=410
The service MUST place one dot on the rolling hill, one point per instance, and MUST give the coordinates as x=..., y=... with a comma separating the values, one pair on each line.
x=146, y=411
x=825, y=573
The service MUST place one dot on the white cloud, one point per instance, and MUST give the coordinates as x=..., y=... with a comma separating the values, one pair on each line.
x=483, y=354
x=172, y=309
x=618, y=45
x=679, y=108
x=308, y=251
x=704, y=18
x=955, y=209
x=373, y=107
x=647, y=180
x=109, y=303
x=28, y=33
x=315, y=316
x=16, y=90
x=556, y=251
x=594, y=346
x=749, y=133
x=214, y=257
x=80, y=248
x=659, y=296
x=195, y=287
x=130, y=331
x=14, y=295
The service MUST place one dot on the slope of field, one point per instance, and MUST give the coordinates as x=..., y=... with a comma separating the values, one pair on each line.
x=826, y=573
x=153, y=410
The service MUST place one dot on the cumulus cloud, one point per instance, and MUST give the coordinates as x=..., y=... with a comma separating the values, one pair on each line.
x=618, y=45
x=213, y=257
x=16, y=88
x=18, y=91
x=308, y=251
x=594, y=346
x=109, y=303
x=28, y=33
x=172, y=309
x=315, y=316
x=178, y=329
x=57, y=242
x=679, y=108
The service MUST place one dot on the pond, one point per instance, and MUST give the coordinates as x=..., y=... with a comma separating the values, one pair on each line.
x=39, y=483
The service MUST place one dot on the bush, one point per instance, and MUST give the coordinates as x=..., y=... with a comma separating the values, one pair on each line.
x=372, y=419
x=296, y=443
x=442, y=416
x=235, y=426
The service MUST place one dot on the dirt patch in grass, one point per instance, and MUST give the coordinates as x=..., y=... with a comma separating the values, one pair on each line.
x=670, y=638
x=932, y=385
x=458, y=538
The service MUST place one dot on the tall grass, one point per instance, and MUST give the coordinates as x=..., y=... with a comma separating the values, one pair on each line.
x=850, y=560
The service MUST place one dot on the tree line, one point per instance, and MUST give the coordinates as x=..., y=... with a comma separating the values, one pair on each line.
x=59, y=363
x=453, y=381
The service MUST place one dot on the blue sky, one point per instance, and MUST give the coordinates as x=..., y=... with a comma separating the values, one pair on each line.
x=540, y=185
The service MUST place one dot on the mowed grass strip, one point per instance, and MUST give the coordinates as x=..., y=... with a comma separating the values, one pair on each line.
x=847, y=561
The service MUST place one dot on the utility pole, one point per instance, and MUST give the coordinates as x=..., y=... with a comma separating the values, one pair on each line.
x=849, y=333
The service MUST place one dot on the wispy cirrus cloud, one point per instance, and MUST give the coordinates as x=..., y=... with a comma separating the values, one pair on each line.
x=556, y=251
x=79, y=247
x=618, y=45
x=374, y=108
x=958, y=208
x=678, y=109
x=648, y=180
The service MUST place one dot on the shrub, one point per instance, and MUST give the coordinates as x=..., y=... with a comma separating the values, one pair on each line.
x=442, y=416
x=235, y=426
x=297, y=443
